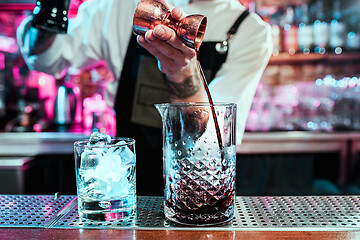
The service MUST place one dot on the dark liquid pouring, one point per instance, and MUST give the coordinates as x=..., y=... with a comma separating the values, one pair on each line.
x=218, y=134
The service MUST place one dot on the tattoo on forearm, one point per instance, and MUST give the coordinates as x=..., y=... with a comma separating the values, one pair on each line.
x=188, y=88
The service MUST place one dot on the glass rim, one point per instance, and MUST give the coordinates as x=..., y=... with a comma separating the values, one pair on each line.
x=129, y=141
x=196, y=104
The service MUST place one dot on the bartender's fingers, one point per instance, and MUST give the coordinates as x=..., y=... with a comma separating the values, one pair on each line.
x=166, y=65
x=162, y=51
x=168, y=35
x=177, y=13
x=156, y=47
x=154, y=51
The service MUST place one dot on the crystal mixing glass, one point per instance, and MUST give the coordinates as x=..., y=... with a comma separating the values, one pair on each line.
x=199, y=172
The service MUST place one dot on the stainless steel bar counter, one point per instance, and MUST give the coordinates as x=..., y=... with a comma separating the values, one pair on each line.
x=295, y=217
x=347, y=144
x=261, y=142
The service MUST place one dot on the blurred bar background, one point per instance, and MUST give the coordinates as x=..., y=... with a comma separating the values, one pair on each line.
x=305, y=116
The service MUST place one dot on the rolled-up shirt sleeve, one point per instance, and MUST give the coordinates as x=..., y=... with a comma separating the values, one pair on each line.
x=83, y=45
x=101, y=31
x=49, y=61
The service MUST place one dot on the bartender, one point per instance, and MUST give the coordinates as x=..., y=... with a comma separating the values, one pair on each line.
x=157, y=67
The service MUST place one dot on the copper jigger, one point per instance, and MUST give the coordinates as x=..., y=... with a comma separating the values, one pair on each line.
x=149, y=13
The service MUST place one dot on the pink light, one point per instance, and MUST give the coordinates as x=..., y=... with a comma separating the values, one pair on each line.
x=47, y=90
x=78, y=112
x=28, y=109
x=37, y=127
x=16, y=72
x=352, y=82
x=76, y=90
x=2, y=61
x=98, y=97
x=107, y=120
x=114, y=216
x=87, y=120
x=41, y=81
x=317, y=103
x=8, y=44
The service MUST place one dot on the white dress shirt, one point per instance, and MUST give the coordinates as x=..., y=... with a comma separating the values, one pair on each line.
x=102, y=30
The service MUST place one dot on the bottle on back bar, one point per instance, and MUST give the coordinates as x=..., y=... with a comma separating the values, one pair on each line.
x=305, y=31
x=352, y=17
x=290, y=31
x=321, y=29
x=337, y=29
x=276, y=33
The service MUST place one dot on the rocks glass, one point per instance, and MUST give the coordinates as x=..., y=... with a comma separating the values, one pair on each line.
x=105, y=177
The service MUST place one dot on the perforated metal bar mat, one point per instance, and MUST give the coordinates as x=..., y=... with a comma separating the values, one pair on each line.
x=303, y=213
x=252, y=213
x=33, y=210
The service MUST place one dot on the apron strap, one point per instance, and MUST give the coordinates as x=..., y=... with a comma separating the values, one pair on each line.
x=237, y=23
x=213, y=54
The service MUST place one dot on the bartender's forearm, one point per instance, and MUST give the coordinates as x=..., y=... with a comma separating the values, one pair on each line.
x=189, y=90
x=184, y=90
x=36, y=40
x=186, y=86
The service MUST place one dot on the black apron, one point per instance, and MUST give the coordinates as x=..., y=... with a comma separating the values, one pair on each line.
x=142, y=85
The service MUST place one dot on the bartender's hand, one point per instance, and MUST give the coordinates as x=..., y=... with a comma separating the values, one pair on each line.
x=176, y=60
